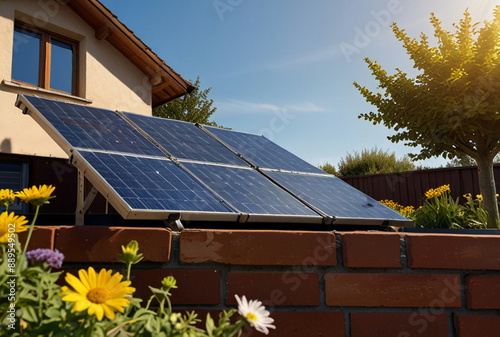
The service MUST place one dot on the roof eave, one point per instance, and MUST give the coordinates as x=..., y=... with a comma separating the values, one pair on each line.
x=166, y=83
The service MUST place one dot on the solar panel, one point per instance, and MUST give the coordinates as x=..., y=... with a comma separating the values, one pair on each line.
x=184, y=140
x=150, y=168
x=261, y=152
x=150, y=184
x=89, y=128
x=334, y=197
x=249, y=191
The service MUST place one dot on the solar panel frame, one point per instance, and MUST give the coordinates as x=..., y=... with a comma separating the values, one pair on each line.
x=116, y=134
x=309, y=187
x=126, y=210
x=237, y=185
x=183, y=140
x=259, y=151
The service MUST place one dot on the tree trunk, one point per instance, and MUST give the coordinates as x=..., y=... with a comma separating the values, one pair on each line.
x=488, y=191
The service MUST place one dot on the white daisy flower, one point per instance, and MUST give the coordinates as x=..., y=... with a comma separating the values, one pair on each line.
x=255, y=314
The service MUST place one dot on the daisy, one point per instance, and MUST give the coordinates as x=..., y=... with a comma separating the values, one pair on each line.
x=36, y=196
x=99, y=294
x=6, y=197
x=255, y=314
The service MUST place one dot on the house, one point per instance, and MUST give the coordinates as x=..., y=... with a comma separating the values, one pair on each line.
x=76, y=51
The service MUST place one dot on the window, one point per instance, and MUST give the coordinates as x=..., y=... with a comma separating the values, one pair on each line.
x=44, y=59
x=14, y=176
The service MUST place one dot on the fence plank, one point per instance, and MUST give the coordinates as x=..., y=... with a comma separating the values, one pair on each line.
x=408, y=188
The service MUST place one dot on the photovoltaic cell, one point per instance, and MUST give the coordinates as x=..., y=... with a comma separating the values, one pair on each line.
x=248, y=190
x=334, y=197
x=185, y=140
x=153, y=184
x=261, y=152
x=93, y=128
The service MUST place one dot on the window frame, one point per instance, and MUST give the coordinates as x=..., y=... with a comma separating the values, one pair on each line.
x=44, y=59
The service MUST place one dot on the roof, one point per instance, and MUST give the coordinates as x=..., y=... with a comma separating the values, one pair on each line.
x=167, y=84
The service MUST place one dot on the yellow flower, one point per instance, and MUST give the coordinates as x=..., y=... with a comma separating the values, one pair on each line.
x=129, y=253
x=479, y=197
x=36, y=196
x=436, y=192
x=11, y=223
x=99, y=294
x=6, y=198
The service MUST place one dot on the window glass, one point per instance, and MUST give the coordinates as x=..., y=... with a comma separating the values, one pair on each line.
x=61, y=66
x=14, y=176
x=26, y=56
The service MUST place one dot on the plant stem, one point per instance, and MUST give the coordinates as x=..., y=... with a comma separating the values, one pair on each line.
x=129, y=267
x=90, y=329
x=31, y=230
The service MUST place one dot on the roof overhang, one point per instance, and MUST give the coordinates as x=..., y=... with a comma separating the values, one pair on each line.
x=166, y=83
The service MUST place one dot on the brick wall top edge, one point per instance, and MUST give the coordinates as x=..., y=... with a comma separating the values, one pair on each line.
x=440, y=235
x=196, y=230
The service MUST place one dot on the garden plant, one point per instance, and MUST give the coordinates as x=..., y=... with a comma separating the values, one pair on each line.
x=93, y=303
x=440, y=210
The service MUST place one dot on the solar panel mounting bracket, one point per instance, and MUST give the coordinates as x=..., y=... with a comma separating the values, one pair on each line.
x=174, y=222
x=83, y=203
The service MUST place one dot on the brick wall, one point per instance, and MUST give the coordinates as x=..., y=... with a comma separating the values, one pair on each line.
x=352, y=284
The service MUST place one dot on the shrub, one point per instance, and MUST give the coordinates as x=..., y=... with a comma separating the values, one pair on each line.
x=440, y=210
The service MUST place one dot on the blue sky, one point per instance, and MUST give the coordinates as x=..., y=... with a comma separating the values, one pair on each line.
x=285, y=68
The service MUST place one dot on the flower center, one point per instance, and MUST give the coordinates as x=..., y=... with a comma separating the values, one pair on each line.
x=251, y=316
x=98, y=295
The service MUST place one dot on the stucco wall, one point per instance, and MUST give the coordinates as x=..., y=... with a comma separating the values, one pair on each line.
x=106, y=77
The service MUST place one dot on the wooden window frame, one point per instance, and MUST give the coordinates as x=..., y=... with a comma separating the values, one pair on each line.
x=45, y=57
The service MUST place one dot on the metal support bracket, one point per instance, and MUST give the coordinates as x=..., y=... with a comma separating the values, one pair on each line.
x=83, y=203
x=174, y=222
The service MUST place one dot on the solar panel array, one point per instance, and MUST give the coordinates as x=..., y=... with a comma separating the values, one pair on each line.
x=152, y=167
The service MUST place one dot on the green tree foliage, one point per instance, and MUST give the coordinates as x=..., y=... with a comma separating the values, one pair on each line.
x=452, y=107
x=329, y=168
x=373, y=161
x=194, y=107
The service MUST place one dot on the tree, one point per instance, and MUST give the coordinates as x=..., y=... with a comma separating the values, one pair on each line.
x=193, y=107
x=329, y=168
x=372, y=161
x=452, y=107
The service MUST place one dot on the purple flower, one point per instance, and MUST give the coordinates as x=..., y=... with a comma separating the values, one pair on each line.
x=52, y=257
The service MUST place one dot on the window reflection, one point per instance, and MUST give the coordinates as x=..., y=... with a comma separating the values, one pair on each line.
x=61, y=66
x=26, y=56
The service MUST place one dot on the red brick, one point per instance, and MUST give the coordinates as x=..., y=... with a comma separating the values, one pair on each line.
x=483, y=292
x=102, y=244
x=393, y=290
x=243, y=247
x=274, y=289
x=371, y=250
x=194, y=286
x=383, y=324
x=42, y=237
x=477, y=325
x=293, y=323
x=310, y=323
x=454, y=251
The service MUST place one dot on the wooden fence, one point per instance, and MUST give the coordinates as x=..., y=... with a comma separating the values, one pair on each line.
x=408, y=188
